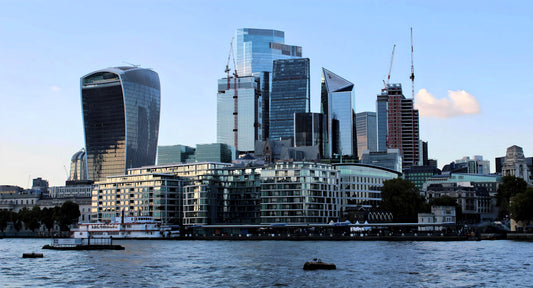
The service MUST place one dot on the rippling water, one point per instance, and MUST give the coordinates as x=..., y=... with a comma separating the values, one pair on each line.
x=271, y=264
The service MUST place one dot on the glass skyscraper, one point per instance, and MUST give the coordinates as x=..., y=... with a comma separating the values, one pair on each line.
x=249, y=113
x=121, y=107
x=290, y=94
x=258, y=48
x=365, y=123
x=337, y=103
x=310, y=130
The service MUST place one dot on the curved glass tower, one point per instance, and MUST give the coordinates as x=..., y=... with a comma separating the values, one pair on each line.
x=121, y=107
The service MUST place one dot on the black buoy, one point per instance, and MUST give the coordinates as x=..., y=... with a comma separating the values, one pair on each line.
x=32, y=255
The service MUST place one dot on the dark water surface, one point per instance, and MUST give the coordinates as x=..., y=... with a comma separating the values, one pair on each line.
x=271, y=264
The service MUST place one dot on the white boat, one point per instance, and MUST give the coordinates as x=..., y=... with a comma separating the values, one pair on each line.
x=119, y=228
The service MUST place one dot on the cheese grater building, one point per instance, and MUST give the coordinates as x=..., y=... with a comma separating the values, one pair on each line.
x=121, y=107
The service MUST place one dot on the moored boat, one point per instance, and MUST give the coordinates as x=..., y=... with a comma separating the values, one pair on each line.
x=120, y=228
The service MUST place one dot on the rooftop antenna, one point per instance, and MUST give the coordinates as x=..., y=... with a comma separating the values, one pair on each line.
x=131, y=64
x=412, y=67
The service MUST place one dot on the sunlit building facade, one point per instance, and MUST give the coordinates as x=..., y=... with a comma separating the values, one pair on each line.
x=299, y=193
x=256, y=49
x=121, y=108
x=248, y=113
x=366, y=130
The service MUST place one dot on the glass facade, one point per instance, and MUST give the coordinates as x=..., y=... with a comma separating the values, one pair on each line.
x=249, y=113
x=290, y=94
x=310, y=130
x=216, y=152
x=360, y=185
x=174, y=154
x=256, y=49
x=78, y=166
x=366, y=128
x=121, y=109
x=337, y=103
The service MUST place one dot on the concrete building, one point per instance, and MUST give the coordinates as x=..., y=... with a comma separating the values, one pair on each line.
x=438, y=215
x=515, y=164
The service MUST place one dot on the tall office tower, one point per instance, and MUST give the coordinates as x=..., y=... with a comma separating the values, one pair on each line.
x=258, y=48
x=366, y=132
x=401, y=130
x=121, y=107
x=290, y=94
x=337, y=103
x=78, y=166
x=310, y=130
x=249, y=111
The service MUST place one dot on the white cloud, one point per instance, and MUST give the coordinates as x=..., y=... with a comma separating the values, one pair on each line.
x=55, y=88
x=456, y=104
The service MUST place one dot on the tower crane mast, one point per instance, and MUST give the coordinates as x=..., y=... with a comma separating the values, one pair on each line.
x=235, y=94
x=390, y=69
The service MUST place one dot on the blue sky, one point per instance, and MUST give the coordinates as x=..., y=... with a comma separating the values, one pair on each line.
x=481, y=51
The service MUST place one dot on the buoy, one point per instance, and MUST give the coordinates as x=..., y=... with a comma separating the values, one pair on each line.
x=32, y=255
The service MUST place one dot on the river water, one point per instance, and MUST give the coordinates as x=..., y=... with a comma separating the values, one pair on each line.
x=159, y=263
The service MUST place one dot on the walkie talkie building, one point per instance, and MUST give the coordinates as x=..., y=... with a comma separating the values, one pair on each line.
x=121, y=108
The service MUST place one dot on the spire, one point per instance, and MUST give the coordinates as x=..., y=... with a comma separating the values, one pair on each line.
x=335, y=83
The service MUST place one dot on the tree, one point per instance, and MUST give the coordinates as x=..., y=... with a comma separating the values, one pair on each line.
x=5, y=217
x=522, y=206
x=401, y=198
x=48, y=217
x=31, y=218
x=509, y=187
x=68, y=214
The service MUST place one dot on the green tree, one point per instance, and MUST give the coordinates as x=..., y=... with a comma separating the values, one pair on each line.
x=522, y=206
x=68, y=214
x=48, y=217
x=509, y=187
x=5, y=217
x=401, y=198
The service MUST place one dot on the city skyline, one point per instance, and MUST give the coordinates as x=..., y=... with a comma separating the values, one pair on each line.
x=469, y=57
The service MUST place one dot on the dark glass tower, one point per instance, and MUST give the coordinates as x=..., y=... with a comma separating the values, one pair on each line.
x=121, y=108
x=310, y=130
x=290, y=94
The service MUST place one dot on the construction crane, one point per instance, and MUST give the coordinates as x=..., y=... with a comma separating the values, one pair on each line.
x=390, y=69
x=412, y=67
x=235, y=95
